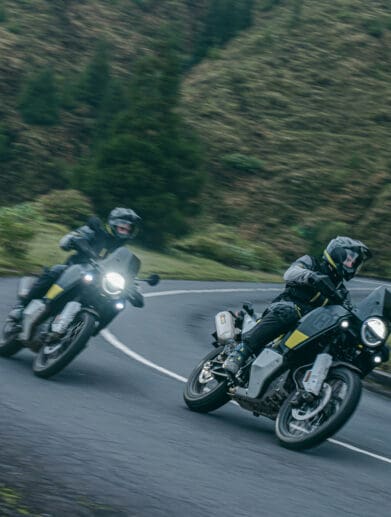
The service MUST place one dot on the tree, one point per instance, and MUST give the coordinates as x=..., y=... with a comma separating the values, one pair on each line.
x=39, y=101
x=223, y=20
x=150, y=159
x=96, y=77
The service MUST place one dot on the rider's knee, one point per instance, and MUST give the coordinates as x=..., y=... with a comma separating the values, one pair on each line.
x=286, y=312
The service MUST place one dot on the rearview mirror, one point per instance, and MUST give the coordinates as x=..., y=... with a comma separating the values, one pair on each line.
x=153, y=279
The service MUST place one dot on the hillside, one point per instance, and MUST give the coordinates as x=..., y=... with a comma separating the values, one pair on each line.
x=297, y=115
x=294, y=111
x=62, y=36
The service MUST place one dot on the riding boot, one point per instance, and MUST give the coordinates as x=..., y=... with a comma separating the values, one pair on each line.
x=237, y=358
x=16, y=313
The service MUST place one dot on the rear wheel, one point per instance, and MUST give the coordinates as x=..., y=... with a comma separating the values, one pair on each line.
x=9, y=344
x=313, y=422
x=205, y=391
x=54, y=357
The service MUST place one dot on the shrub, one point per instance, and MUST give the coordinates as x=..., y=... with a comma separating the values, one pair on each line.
x=319, y=233
x=224, y=245
x=17, y=229
x=67, y=207
x=374, y=27
x=243, y=162
x=268, y=5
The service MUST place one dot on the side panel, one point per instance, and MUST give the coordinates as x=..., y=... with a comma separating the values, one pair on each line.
x=314, y=323
x=267, y=363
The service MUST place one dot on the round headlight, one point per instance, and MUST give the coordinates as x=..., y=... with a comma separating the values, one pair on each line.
x=113, y=283
x=373, y=332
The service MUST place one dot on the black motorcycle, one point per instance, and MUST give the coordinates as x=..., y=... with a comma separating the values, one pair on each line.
x=83, y=301
x=309, y=380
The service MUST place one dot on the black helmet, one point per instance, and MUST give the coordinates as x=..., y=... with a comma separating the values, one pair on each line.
x=124, y=223
x=345, y=256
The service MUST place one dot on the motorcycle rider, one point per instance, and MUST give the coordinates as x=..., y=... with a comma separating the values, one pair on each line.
x=310, y=283
x=93, y=240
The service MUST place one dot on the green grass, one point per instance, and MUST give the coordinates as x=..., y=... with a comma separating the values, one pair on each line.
x=45, y=251
x=188, y=267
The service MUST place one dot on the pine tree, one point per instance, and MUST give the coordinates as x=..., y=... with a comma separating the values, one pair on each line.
x=39, y=101
x=95, y=80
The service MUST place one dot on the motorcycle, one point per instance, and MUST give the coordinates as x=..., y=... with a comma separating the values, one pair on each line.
x=309, y=380
x=84, y=300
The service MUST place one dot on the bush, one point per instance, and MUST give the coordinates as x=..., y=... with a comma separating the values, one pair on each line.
x=319, y=233
x=243, y=163
x=17, y=229
x=268, y=5
x=67, y=207
x=374, y=27
x=224, y=245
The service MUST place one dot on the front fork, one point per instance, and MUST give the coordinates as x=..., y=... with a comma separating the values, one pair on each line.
x=315, y=377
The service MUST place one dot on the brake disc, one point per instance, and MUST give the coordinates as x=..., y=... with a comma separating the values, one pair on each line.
x=300, y=414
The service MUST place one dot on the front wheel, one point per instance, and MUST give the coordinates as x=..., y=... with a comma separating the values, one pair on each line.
x=313, y=422
x=205, y=391
x=54, y=357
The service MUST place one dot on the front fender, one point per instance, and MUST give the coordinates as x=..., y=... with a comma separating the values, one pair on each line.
x=335, y=364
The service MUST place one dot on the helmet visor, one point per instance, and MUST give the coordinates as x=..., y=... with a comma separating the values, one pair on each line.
x=351, y=262
x=124, y=229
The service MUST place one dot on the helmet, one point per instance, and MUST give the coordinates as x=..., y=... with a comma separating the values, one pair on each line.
x=345, y=256
x=124, y=223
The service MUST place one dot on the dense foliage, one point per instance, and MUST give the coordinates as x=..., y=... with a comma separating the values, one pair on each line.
x=269, y=116
x=66, y=207
x=147, y=158
x=18, y=225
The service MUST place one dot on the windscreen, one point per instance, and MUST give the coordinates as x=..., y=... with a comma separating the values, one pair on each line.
x=122, y=261
x=378, y=303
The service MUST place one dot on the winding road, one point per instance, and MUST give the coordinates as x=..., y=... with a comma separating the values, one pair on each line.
x=111, y=435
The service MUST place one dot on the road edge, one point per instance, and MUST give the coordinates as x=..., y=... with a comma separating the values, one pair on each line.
x=379, y=382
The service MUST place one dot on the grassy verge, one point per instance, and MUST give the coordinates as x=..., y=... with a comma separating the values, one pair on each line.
x=44, y=251
x=176, y=265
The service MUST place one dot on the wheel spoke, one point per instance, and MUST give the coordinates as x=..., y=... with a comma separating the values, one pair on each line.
x=298, y=424
x=206, y=381
x=52, y=352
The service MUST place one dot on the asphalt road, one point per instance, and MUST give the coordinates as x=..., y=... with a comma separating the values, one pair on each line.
x=112, y=436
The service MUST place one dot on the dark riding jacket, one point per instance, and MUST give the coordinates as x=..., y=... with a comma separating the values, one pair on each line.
x=92, y=240
x=299, y=288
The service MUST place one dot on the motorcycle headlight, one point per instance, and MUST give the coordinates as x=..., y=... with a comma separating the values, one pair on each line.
x=373, y=332
x=113, y=283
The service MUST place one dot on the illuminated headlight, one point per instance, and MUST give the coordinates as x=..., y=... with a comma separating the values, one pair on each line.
x=88, y=278
x=373, y=332
x=113, y=283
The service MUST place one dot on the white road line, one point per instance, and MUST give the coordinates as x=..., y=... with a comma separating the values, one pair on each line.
x=371, y=282
x=115, y=342
x=203, y=291
x=240, y=290
x=110, y=338
x=356, y=449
